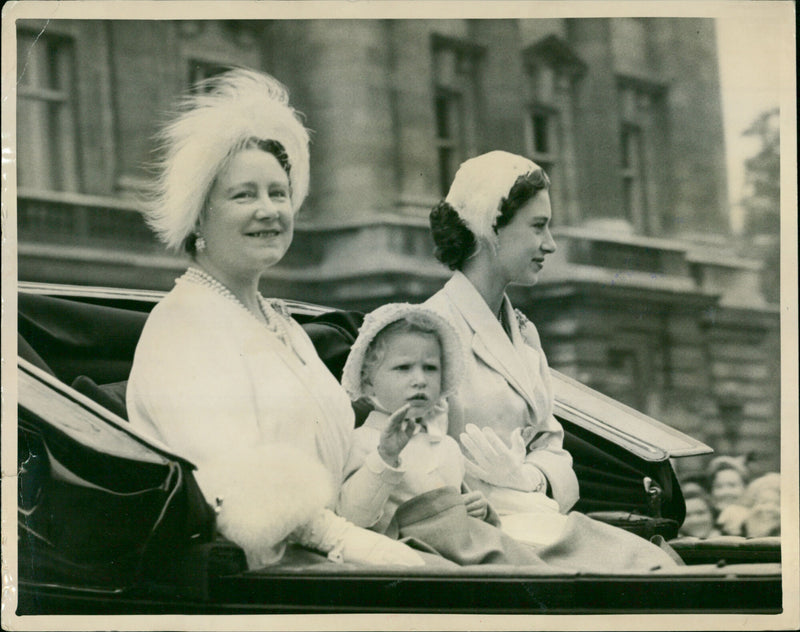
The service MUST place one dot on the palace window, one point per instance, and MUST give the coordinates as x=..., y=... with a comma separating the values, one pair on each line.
x=455, y=103
x=210, y=48
x=47, y=146
x=640, y=105
x=551, y=68
x=544, y=137
x=632, y=172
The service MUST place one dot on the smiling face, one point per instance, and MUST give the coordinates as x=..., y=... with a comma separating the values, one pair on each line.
x=726, y=488
x=410, y=372
x=525, y=241
x=248, y=223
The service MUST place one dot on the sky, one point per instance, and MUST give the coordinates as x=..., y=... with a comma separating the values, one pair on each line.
x=749, y=49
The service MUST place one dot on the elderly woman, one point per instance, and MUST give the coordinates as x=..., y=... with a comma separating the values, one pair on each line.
x=222, y=375
x=493, y=230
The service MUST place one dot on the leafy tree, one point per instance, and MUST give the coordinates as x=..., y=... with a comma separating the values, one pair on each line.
x=763, y=176
x=763, y=200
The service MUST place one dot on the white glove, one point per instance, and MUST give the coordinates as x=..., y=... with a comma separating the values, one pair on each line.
x=494, y=462
x=345, y=542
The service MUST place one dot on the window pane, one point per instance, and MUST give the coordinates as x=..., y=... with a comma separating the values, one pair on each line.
x=455, y=109
x=32, y=135
x=445, y=68
x=442, y=117
x=46, y=126
x=630, y=147
x=541, y=133
x=545, y=84
x=53, y=77
x=446, y=169
x=65, y=158
x=24, y=52
x=625, y=161
x=628, y=103
x=628, y=197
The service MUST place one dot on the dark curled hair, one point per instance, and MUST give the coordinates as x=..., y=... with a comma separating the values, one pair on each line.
x=269, y=146
x=523, y=190
x=276, y=149
x=455, y=242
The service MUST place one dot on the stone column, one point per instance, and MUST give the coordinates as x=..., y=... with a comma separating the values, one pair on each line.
x=146, y=76
x=597, y=130
x=687, y=50
x=339, y=75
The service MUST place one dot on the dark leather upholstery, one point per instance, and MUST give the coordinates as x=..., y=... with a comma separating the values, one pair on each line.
x=91, y=346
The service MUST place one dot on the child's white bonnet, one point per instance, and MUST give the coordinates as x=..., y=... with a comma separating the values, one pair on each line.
x=376, y=321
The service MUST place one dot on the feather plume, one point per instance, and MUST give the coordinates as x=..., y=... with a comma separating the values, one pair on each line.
x=213, y=122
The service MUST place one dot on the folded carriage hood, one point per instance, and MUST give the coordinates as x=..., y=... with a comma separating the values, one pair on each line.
x=587, y=408
x=642, y=435
x=84, y=420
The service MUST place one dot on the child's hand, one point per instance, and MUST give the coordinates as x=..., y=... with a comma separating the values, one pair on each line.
x=477, y=505
x=395, y=436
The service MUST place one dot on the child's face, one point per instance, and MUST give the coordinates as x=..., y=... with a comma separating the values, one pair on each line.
x=410, y=373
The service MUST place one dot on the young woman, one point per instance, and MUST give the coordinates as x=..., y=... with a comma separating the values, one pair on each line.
x=493, y=230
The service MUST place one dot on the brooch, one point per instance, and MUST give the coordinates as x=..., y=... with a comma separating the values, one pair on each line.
x=522, y=320
x=280, y=307
x=527, y=329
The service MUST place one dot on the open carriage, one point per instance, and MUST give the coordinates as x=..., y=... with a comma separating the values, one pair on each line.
x=112, y=522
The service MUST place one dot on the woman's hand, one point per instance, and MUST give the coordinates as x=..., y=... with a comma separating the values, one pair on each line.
x=395, y=436
x=343, y=541
x=493, y=461
x=477, y=505
x=362, y=546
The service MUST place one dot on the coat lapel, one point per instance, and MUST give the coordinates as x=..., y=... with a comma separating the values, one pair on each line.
x=490, y=341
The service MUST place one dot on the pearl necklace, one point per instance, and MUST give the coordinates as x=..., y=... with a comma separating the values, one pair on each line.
x=273, y=311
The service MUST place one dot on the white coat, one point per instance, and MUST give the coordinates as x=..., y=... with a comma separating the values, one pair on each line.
x=266, y=424
x=506, y=386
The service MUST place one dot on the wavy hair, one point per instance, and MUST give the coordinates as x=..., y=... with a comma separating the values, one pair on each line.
x=454, y=237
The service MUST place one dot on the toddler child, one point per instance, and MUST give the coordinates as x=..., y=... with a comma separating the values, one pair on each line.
x=405, y=362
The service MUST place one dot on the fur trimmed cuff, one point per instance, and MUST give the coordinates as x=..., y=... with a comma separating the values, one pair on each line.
x=263, y=494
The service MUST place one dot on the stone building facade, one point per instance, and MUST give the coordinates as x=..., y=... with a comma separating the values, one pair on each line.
x=645, y=299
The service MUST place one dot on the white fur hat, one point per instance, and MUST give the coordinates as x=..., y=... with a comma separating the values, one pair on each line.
x=376, y=321
x=222, y=114
x=481, y=184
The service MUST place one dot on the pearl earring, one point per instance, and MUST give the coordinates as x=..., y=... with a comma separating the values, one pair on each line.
x=199, y=243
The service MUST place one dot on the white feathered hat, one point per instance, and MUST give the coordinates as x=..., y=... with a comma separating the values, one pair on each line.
x=378, y=320
x=481, y=184
x=220, y=116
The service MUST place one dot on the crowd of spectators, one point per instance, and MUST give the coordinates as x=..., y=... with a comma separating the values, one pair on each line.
x=726, y=500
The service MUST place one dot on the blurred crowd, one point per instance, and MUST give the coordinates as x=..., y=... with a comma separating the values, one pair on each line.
x=726, y=500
